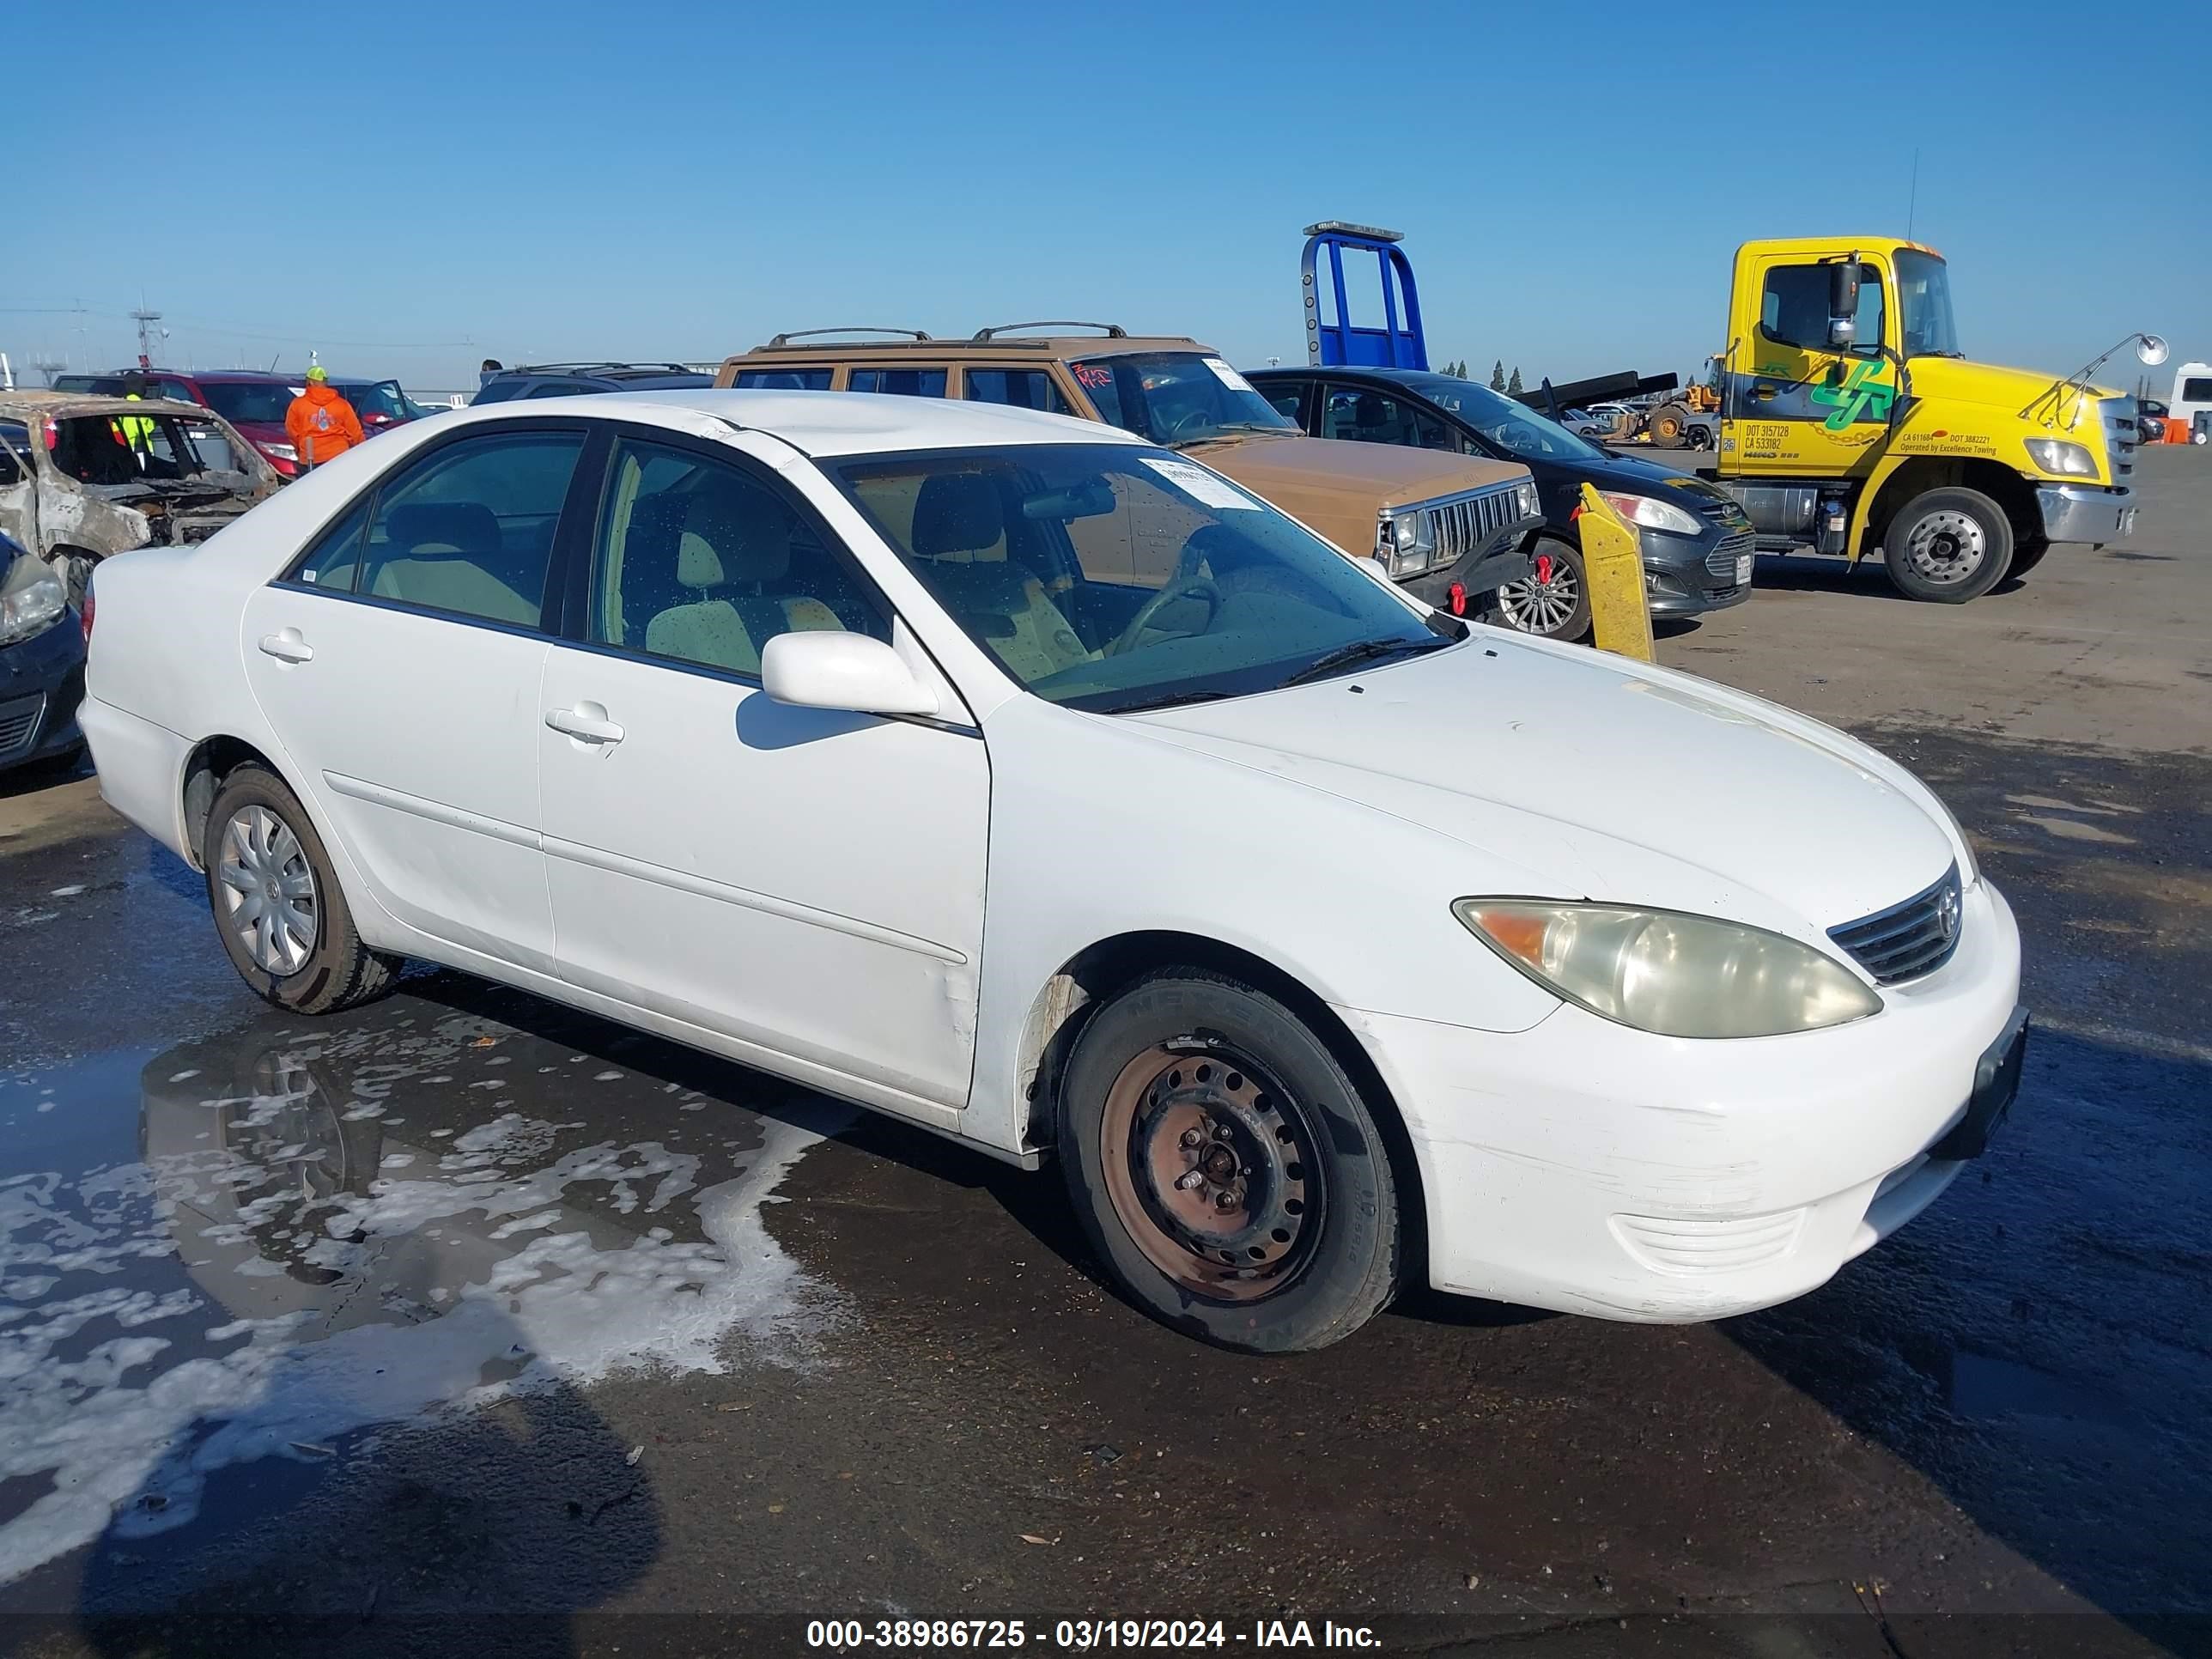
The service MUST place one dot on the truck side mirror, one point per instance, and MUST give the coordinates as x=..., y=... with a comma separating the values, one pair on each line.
x=1843, y=302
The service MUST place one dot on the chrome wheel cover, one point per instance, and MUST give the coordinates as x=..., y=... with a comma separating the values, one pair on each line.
x=1946, y=547
x=269, y=902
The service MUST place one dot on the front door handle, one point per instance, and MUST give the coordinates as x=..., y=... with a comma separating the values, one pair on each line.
x=586, y=723
x=286, y=645
x=1764, y=393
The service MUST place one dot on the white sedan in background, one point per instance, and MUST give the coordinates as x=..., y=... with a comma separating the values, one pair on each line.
x=1037, y=786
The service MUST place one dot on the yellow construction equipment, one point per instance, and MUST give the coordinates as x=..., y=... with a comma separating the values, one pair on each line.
x=1613, y=565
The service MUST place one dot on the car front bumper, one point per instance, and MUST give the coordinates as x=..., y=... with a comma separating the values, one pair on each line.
x=1582, y=1166
x=41, y=683
x=1687, y=577
x=2086, y=512
x=1485, y=569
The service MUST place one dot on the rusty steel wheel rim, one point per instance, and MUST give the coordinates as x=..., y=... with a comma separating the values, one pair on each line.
x=1210, y=1167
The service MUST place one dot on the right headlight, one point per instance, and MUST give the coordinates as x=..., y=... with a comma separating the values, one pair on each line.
x=1652, y=513
x=31, y=599
x=1668, y=972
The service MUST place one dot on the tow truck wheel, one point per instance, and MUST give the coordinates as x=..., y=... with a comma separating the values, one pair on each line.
x=1225, y=1168
x=1946, y=546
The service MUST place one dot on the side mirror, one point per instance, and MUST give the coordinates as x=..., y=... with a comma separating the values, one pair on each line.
x=1843, y=291
x=847, y=671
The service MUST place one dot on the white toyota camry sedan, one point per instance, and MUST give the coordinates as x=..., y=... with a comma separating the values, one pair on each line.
x=1037, y=786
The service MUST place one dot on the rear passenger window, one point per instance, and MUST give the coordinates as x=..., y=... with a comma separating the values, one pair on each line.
x=698, y=562
x=334, y=562
x=783, y=379
x=903, y=382
x=1022, y=388
x=469, y=530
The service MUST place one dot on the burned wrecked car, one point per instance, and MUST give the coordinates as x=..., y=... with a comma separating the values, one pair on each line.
x=83, y=477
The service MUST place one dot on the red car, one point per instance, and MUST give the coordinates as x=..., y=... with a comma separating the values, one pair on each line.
x=255, y=401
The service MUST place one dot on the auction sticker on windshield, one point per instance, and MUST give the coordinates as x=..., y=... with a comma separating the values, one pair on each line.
x=1229, y=377
x=1200, y=484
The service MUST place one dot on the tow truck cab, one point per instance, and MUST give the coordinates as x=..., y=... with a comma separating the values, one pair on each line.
x=1850, y=420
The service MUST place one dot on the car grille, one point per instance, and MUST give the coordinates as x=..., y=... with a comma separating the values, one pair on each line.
x=2122, y=433
x=1907, y=939
x=1461, y=525
x=1721, y=561
x=19, y=723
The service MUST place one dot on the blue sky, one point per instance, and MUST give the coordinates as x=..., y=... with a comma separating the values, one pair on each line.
x=408, y=188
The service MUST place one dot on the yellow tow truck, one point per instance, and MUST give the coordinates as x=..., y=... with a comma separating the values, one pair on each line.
x=1850, y=421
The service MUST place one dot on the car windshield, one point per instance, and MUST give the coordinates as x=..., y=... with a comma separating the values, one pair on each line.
x=1176, y=397
x=1512, y=427
x=1924, y=296
x=370, y=398
x=1113, y=577
x=129, y=449
x=263, y=403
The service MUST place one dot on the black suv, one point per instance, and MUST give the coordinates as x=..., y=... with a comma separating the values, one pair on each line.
x=574, y=380
x=1697, y=545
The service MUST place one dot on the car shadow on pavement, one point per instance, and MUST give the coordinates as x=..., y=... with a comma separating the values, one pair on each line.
x=2034, y=1344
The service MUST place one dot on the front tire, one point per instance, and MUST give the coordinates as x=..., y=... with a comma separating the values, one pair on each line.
x=1553, y=601
x=1946, y=546
x=1226, y=1169
x=277, y=906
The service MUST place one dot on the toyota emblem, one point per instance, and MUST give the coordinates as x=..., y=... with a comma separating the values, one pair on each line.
x=1946, y=914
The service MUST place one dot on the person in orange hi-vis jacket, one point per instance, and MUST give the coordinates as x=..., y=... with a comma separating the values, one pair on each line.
x=320, y=423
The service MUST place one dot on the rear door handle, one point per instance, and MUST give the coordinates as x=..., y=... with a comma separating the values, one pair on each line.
x=586, y=723
x=287, y=646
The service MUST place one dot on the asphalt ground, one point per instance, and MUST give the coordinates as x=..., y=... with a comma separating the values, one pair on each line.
x=462, y=1322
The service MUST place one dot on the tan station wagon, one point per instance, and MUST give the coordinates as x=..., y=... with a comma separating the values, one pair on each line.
x=1449, y=528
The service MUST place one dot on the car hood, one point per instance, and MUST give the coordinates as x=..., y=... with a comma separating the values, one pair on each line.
x=1274, y=466
x=1634, y=473
x=1586, y=776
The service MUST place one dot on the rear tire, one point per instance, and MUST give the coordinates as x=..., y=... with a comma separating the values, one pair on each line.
x=1666, y=424
x=277, y=905
x=1226, y=1169
x=1946, y=546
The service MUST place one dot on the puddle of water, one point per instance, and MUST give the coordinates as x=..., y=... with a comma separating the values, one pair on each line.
x=254, y=1247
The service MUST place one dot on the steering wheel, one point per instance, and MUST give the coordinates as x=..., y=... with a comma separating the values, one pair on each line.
x=1179, y=588
x=1191, y=421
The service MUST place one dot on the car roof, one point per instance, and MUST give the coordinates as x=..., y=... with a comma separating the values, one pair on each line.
x=1065, y=346
x=31, y=405
x=819, y=423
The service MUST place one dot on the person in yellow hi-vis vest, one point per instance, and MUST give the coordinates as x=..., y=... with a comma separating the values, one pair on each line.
x=321, y=424
x=134, y=432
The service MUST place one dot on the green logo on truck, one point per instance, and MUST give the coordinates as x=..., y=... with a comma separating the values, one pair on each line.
x=1861, y=396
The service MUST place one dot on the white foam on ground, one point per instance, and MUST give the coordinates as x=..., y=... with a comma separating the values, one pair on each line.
x=533, y=1298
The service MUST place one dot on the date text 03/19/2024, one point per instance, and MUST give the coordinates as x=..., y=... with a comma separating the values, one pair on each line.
x=1083, y=1635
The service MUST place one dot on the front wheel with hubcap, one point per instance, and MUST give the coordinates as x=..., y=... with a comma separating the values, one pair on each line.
x=1948, y=546
x=1553, y=601
x=277, y=906
x=1225, y=1168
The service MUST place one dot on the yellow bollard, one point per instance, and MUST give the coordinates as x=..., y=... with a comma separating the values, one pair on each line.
x=1613, y=564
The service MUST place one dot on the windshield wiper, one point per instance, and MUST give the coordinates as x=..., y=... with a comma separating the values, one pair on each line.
x=1360, y=651
x=1170, y=700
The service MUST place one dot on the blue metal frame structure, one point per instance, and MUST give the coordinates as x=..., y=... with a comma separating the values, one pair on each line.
x=1395, y=344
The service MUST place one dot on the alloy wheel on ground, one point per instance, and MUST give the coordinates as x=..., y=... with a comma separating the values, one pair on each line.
x=1546, y=602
